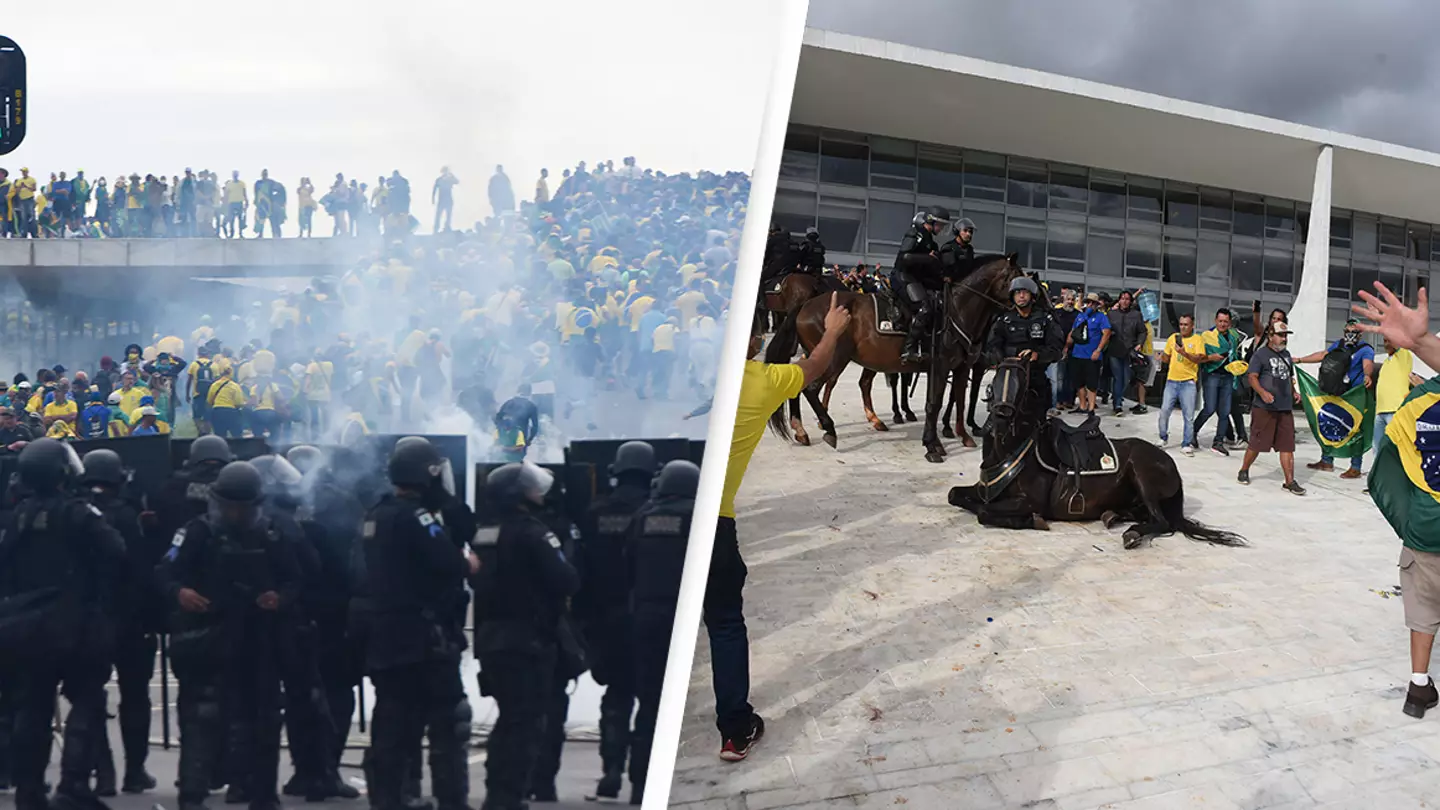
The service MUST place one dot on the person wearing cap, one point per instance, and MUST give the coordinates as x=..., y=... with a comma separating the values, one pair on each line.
x=13, y=435
x=1362, y=370
x=1272, y=420
x=1084, y=364
x=97, y=421
x=60, y=409
x=5, y=394
x=150, y=423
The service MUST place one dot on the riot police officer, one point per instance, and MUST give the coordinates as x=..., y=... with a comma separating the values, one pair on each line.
x=604, y=604
x=59, y=556
x=918, y=269
x=413, y=575
x=186, y=494
x=521, y=590
x=1029, y=333
x=810, y=254
x=233, y=581
x=958, y=254
x=139, y=621
x=657, y=538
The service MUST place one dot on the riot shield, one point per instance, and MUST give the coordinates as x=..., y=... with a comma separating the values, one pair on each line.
x=148, y=457
x=455, y=449
x=599, y=453
x=697, y=452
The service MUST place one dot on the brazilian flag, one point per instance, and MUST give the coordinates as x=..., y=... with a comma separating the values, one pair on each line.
x=1405, y=478
x=1342, y=425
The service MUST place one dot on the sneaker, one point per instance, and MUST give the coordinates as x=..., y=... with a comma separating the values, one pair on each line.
x=1420, y=698
x=1119, y=411
x=1163, y=442
x=1243, y=477
x=1351, y=473
x=1139, y=409
x=1294, y=486
x=1219, y=450
x=1188, y=449
x=734, y=749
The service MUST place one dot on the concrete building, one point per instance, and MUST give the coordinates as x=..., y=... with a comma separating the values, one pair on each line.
x=1103, y=188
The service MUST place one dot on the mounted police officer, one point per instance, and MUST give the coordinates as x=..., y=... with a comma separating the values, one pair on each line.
x=234, y=580
x=657, y=548
x=61, y=566
x=918, y=269
x=1029, y=333
x=414, y=579
x=604, y=604
x=958, y=255
x=809, y=254
x=521, y=590
x=139, y=622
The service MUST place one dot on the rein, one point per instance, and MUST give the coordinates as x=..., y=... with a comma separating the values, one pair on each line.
x=970, y=290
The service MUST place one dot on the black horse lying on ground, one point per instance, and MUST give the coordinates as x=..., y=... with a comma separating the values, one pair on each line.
x=1036, y=469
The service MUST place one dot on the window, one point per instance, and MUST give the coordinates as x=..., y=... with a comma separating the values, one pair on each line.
x=1364, y=240
x=1418, y=241
x=1245, y=271
x=1363, y=275
x=1302, y=218
x=1280, y=220
x=1106, y=253
x=1215, y=210
x=989, y=231
x=1029, y=184
x=1341, y=230
x=842, y=224
x=1205, y=307
x=984, y=176
x=1027, y=238
x=847, y=164
x=1340, y=279
x=1107, y=196
x=1068, y=190
x=888, y=223
x=1415, y=280
x=892, y=163
x=1142, y=256
x=1171, y=308
x=1066, y=247
x=1392, y=238
x=801, y=158
x=1182, y=207
x=1391, y=275
x=1145, y=197
x=1278, y=269
x=1249, y=216
x=795, y=211
x=1179, y=261
x=1212, y=263
x=941, y=172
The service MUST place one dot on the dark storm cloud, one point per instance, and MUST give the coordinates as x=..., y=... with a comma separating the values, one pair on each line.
x=1369, y=69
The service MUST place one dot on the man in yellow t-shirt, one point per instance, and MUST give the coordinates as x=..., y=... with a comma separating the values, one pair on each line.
x=1184, y=352
x=689, y=303
x=1392, y=384
x=60, y=409
x=226, y=401
x=317, y=394
x=764, y=388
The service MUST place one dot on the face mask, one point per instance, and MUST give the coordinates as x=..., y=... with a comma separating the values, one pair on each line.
x=1350, y=338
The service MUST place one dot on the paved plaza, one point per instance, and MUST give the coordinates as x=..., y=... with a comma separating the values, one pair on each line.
x=902, y=655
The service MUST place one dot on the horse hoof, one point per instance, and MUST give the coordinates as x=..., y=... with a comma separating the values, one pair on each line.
x=969, y=442
x=829, y=439
x=880, y=425
x=934, y=456
x=947, y=432
x=910, y=417
x=1133, y=539
x=1039, y=524
x=802, y=440
x=1109, y=519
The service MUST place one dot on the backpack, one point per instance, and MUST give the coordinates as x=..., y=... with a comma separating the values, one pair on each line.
x=204, y=375
x=1333, y=369
x=1080, y=335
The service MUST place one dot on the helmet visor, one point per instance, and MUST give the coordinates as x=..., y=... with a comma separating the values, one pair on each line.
x=73, y=463
x=535, y=481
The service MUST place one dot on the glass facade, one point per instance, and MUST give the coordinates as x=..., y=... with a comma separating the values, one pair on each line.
x=1199, y=248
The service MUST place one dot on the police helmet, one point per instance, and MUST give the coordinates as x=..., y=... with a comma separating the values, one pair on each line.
x=210, y=448
x=306, y=458
x=512, y=484
x=238, y=483
x=677, y=479
x=812, y=234
x=103, y=467
x=46, y=464
x=634, y=457
x=415, y=463
x=964, y=224
x=278, y=476
x=937, y=213
x=1024, y=283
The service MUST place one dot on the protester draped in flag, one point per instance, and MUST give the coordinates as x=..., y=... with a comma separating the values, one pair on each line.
x=1342, y=424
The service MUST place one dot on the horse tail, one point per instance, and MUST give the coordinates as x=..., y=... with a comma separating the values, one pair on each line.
x=1173, y=508
x=782, y=350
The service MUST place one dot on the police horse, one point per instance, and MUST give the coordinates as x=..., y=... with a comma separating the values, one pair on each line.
x=1035, y=469
x=874, y=342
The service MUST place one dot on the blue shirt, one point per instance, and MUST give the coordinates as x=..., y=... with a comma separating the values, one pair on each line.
x=1098, y=323
x=1356, y=374
x=648, y=323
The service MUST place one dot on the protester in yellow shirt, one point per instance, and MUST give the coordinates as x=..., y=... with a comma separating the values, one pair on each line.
x=263, y=397
x=688, y=303
x=226, y=401
x=1184, y=351
x=317, y=393
x=61, y=409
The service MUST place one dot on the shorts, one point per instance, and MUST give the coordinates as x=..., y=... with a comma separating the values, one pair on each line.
x=1083, y=373
x=1420, y=590
x=1272, y=430
x=199, y=408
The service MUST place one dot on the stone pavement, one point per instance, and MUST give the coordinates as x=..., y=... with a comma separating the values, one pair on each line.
x=902, y=655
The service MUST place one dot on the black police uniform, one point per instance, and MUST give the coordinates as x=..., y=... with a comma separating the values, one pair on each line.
x=1013, y=333
x=915, y=272
x=604, y=605
x=520, y=597
x=957, y=259
x=228, y=659
x=570, y=663
x=413, y=574
x=657, y=554
x=56, y=541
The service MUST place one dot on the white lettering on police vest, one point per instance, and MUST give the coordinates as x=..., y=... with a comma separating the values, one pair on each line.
x=664, y=525
x=613, y=524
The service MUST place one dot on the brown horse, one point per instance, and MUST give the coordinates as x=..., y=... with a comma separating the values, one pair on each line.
x=794, y=289
x=968, y=309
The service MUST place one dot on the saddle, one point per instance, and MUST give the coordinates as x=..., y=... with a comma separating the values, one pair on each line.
x=1073, y=451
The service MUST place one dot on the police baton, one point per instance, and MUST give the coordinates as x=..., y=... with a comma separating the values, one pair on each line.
x=165, y=691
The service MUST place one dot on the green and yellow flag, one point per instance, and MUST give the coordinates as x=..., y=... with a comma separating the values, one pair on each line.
x=1405, y=478
x=1342, y=425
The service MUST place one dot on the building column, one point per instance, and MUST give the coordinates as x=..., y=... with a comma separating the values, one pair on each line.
x=1308, y=315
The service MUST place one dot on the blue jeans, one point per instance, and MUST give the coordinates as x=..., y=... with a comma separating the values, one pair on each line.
x=724, y=617
x=1056, y=373
x=1182, y=392
x=1219, y=387
x=1119, y=377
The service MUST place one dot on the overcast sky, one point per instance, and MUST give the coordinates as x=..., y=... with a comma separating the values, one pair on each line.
x=1369, y=69
x=315, y=87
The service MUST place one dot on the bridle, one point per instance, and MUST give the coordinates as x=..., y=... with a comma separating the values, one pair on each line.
x=973, y=290
x=1011, y=373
